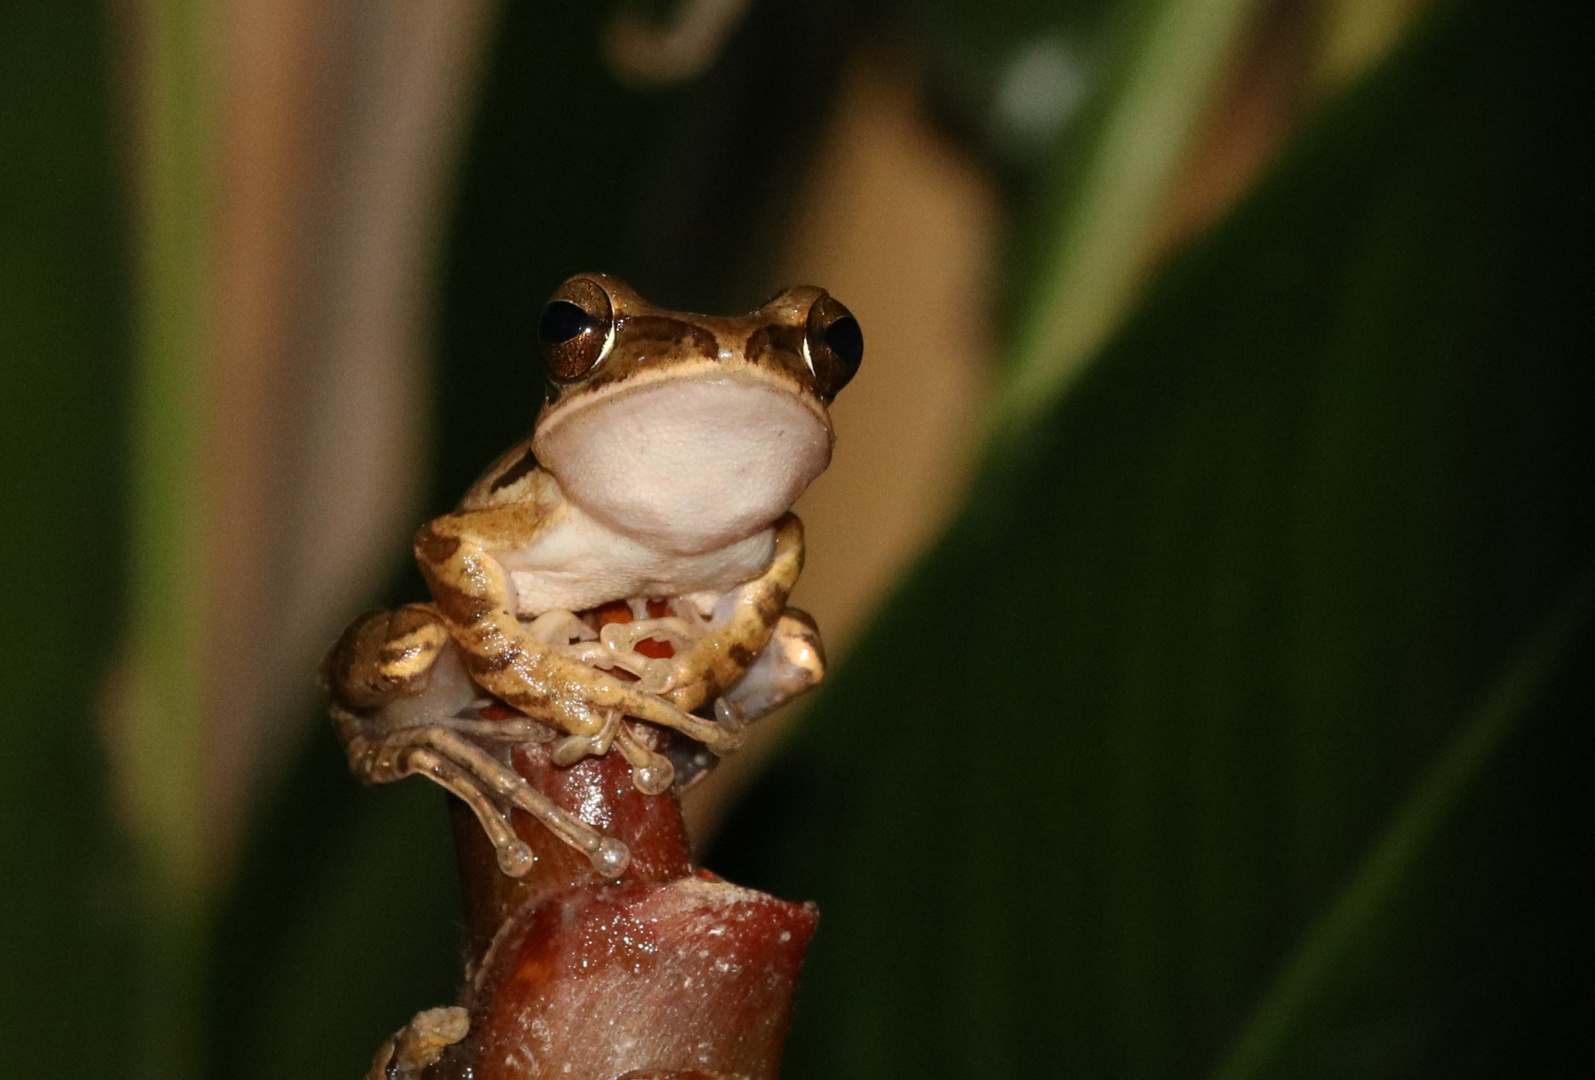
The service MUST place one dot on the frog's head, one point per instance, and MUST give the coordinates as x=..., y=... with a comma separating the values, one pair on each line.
x=689, y=432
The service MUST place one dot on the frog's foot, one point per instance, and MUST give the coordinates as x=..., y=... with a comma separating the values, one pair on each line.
x=419, y=1044
x=640, y=638
x=379, y=754
x=626, y=700
x=572, y=748
x=651, y=772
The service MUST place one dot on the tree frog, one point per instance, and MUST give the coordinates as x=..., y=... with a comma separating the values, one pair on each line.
x=660, y=473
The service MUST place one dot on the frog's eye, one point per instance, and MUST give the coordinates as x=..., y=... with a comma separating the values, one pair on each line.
x=576, y=329
x=833, y=344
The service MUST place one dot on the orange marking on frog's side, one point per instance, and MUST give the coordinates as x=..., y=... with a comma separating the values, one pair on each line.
x=654, y=649
x=497, y=710
x=616, y=611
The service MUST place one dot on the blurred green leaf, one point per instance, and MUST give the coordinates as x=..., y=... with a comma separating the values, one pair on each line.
x=157, y=750
x=1241, y=722
x=65, y=882
x=343, y=925
x=1107, y=194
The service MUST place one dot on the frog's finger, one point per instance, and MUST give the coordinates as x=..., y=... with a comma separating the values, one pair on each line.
x=651, y=772
x=645, y=706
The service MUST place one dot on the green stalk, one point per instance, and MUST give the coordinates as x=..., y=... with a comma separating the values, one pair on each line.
x=160, y=764
x=1088, y=278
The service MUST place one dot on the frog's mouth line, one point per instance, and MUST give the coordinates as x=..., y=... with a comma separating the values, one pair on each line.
x=692, y=371
x=689, y=464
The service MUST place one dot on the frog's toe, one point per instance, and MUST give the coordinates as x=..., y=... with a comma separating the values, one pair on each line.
x=419, y=1044
x=515, y=858
x=610, y=858
x=572, y=748
x=651, y=772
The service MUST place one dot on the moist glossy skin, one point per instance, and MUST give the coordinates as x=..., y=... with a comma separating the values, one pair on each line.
x=662, y=467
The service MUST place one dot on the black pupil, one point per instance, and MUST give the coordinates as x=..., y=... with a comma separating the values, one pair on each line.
x=561, y=321
x=846, y=340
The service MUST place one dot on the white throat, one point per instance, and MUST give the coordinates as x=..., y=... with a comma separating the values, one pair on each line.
x=688, y=466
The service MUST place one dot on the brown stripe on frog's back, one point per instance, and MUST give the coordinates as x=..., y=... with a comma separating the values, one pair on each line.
x=779, y=345
x=670, y=330
x=644, y=342
x=775, y=336
x=526, y=464
x=434, y=547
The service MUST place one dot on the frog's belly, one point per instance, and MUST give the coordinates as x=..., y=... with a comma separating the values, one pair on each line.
x=580, y=564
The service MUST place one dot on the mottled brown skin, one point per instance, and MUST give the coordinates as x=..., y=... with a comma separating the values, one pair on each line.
x=581, y=514
x=517, y=499
x=385, y=654
x=522, y=542
x=527, y=675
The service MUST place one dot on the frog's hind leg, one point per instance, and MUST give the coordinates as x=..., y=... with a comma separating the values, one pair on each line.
x=477, y=778
x=792, y=663
x=722, y=657
x=384, y=655
x=514, y=856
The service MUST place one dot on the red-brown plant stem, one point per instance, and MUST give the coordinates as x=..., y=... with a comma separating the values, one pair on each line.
x=667, y=972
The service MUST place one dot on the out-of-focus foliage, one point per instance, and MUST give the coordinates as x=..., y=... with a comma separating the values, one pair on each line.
x=1241, y=725
x=1014, y=76
x=1238, y=728
x=65, y=957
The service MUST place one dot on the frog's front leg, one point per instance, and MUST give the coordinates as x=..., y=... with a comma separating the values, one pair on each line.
x=723, y=656
x=473, y=593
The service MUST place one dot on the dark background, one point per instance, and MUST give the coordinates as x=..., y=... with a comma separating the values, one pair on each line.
x=1237, y=725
